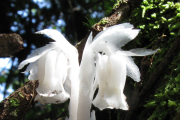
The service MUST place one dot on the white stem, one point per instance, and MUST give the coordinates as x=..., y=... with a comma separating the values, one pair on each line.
x=74, y=71
x=86, y=76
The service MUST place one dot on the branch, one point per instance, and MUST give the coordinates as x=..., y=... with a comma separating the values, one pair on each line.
x=10, y=44
x=16, y=105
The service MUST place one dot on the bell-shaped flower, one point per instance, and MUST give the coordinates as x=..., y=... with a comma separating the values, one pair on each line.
x=55, y=66
x=108, y=65
x=111, y=76
x=113, y=64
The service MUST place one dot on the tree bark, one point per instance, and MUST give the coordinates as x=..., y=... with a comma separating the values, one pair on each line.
x=10, y=44
x=139, y=94
x=16, y=105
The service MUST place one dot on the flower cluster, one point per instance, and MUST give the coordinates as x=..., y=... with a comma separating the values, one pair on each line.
x=104, y=66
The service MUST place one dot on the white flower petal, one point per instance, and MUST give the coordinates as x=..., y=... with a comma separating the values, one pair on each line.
x=33, y=69
x=111, y=72
x=37, y=54
x=48, y=86
x=54, y=34
x=30, y=66
x=132, y=69
x=67, y=85
x=115, y=36
x=59, y=38
x=138, y=52
x=33, y=74
x=61, y=67
x=120, y=26
x=89, y=40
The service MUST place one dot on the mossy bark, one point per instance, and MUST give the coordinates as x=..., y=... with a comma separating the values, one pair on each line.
x=19, y=102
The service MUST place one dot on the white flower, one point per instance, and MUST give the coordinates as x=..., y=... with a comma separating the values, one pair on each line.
x=114, y=64
x=55, y=65
x=104, y=60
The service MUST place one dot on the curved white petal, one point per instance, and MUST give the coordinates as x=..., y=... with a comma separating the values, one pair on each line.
x=111, y=72
x=59, y=38
x=89, y=40
x=115, y=36
x=132, y=69
x=33, y=69
x=33, y=74
x=37, y=54
x=31, y=66
x=54, y=34
x=116, y=27
x=138, y=52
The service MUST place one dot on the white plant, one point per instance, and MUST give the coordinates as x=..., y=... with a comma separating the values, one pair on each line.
x=56, y=66
x=104, y=66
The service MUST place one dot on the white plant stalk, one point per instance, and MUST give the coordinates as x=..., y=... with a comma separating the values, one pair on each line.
x=86, y=76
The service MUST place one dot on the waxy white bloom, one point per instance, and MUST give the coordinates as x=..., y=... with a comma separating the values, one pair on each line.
x=106, y=65
x=113, y=64
x=55, y=66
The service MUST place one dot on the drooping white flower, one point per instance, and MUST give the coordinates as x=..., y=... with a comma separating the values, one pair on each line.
x=106, y=65
x=56, y=66
x=114, y=64
x=111, y=76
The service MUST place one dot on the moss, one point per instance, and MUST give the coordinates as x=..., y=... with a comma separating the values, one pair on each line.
x=118, y=2
x=14, y=102
x=14, y=113
x=20, y=95
x=103, y=21
x=171, y=103
x=159, y=23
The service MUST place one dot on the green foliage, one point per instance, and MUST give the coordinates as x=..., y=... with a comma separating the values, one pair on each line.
x=118, y=2
x=154, y=16
x=91, y=21
x=103, y=21
x=159, y=21
x=20, y=95
x=2, y=79
x=167, y=97
x=14, y=112
x=14, y=102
